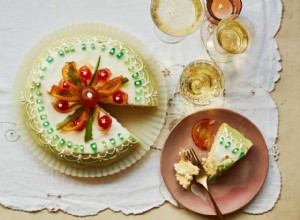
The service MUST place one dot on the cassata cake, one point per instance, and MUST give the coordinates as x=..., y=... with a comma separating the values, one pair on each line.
x=228, y=147
x=63, y=97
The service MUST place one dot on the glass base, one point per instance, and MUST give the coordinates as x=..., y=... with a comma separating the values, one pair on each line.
x=165, y=37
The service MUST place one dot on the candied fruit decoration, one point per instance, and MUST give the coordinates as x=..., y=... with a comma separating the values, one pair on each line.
x=201, y=132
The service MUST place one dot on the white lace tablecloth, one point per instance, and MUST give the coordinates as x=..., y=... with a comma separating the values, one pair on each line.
x=27, y=184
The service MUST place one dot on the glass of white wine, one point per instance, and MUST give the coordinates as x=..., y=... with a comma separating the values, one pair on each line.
x=201, y=82
x=231, y=36
x=175, y=19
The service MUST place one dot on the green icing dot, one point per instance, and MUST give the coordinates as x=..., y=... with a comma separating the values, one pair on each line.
x=138, y=92
x=62, y=142
x=120, y=55
x=228, y=144
x=55, y=137
x=66, y=49
x=61, y=53
x=41, y=76
x=72, y=49
x=104, y=144
x=38, y=93
x=120, y=136
x=94, y=147
x=138, y=99
x=112, y=141
x=50, y=130
x=76, y=147
x=135, y=75
x=83, y=46
x=93, y=46
x=235, y=150
x=40, y=109
x=103, y=48
x=222, y=140
x=38, y=85
x=112, y=51
x=131, y=138
x=46, y=124
x=138, y=83
x=127, y=61
x=50, y=59
x=43, y=68
x=43, y=117
x=82, y=148
x=242, y=154
x=131, y=68
x=69, y=144
x=39, y=101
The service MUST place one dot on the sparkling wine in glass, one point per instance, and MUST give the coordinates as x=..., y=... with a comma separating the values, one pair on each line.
x=232, y=36
x=201, y=82
x=175, y=19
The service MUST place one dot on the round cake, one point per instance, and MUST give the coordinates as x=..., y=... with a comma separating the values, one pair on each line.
x=63, y=98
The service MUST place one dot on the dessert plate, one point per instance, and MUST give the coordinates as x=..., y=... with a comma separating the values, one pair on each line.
x=238, y=186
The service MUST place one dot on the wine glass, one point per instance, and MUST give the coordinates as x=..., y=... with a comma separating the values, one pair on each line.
x=201, y=81
x=175, y=19
x=230, y=37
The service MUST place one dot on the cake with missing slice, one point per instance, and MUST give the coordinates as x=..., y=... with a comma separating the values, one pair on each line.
x=62, y=99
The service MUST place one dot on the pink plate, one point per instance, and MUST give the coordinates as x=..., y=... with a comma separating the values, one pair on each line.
x=237, y=186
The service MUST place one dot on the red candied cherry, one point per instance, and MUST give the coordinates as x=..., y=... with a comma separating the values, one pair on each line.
x=103, y=74
x=89, y=97
x=65, y=85
x=118, y=97
x=63, y=105
x=85, y=73
x=78, y=122
x=104, y=122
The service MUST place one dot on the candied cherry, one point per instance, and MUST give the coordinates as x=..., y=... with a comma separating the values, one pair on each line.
x=85, y=73
x=65, y=85
x=80, y=123
x=63, y=105
x=89, y=97
x=103, y=74
x=104, y=122
x=118, y=97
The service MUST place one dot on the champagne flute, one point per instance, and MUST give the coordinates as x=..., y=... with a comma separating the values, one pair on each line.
x=175, y=19
x=232, y=36
x=201, y=81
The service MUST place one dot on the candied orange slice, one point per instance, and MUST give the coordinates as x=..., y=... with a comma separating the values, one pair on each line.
x=78, y=123
x=63, y=94
x=201, y=132
x=110, y=86
x=70, y=76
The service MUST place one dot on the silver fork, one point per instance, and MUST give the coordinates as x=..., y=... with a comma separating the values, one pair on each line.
x=201, y=178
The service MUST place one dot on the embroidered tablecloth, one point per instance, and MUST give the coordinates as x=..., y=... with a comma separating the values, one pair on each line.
x=27, y=184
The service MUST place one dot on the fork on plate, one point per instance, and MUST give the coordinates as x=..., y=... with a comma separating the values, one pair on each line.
x=201, y=179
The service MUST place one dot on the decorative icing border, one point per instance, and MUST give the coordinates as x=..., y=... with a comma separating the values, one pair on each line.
x=31, y=104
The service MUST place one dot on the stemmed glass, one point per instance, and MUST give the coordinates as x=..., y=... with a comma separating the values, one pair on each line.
x=175, y=19
x=230, y=37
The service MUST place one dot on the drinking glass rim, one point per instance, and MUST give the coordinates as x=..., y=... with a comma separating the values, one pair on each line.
x=201, y=18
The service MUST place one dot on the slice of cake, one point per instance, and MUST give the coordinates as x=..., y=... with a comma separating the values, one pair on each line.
x=64, y=91
x=228, y=147
x=185, y=170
